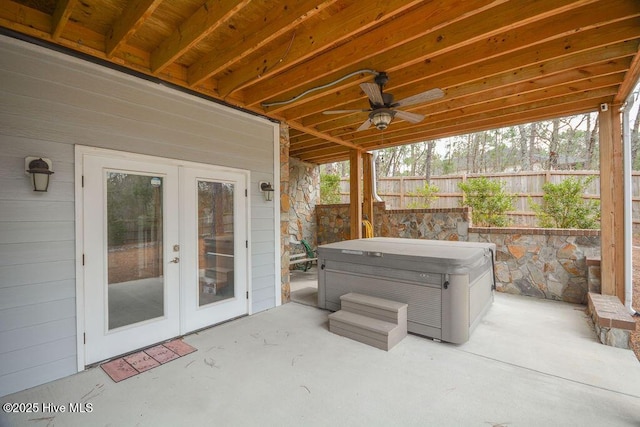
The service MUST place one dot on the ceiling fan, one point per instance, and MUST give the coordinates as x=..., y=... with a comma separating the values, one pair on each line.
x=382, y=105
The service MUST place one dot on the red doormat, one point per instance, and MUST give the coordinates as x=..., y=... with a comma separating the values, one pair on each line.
x=128, y=366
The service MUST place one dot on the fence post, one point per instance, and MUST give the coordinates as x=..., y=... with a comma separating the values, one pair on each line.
x=464, y=179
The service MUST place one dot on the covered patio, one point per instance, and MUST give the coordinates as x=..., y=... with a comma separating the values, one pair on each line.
x=529, y=363
x=170, y=77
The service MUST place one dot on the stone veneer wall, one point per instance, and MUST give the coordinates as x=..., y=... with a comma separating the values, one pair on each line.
x=432, y=224
x=435, y=224
x=304, y=193
x=333, y=222
x=541, y=262
x=538, y=262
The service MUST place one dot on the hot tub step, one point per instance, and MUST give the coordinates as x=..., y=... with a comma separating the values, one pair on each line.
x=374, y=332
x=377, y=308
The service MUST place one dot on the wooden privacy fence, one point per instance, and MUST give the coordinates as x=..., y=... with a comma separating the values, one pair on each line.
x=398, y=192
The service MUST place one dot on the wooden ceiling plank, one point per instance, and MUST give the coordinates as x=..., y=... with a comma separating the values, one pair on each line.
x=23, y=19
x=490, y=50
x=212, y=15
x=314, y=132
x=630, y=81
x=497, y=115
x=323, y=152
x=388, y=40
x=463, y=129
x=600, y=86
x=284, y=20
x=530, y=63
x=517, y=84
x=311, y=41
x=450, y=33
x=319, y=144
x=60, y=17
x=575, y=67
x=135, y=13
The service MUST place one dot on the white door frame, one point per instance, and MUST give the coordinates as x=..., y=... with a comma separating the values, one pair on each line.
x=80, y=153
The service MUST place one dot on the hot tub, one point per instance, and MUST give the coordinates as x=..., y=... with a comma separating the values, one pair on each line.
x=448, y=286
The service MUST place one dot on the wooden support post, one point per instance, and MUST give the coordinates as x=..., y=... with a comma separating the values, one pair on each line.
x=367, y=186
x=618, y=200
x=355, y=189
x=611, y=203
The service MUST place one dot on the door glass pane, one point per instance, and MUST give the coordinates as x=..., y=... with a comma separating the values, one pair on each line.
x=135, y=248
x=215, y=242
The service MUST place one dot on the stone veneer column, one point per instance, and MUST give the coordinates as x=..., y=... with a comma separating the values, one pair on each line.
x=285, y=204
x=304, y=194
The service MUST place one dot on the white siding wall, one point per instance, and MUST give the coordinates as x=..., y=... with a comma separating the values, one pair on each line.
x=48, y=103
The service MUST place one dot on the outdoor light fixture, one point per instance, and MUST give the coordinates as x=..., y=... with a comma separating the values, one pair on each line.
x=40, y=170
x=381, y=118
x=267, y=190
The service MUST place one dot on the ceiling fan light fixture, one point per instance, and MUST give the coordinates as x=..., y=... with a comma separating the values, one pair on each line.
x=381, y=119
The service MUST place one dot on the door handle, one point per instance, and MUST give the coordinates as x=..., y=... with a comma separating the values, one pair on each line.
x=175, y=260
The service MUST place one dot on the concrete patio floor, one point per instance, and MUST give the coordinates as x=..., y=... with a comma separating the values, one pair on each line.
x=529, y=363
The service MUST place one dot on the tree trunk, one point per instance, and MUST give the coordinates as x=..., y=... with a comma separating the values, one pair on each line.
x=532, y=143
x=428, y=160
x=525, y=160
x=591, y=144
x=553, y=145
x=412, y=160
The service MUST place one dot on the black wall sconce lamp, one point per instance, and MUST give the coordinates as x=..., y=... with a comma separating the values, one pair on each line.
x=267, y=190
x=40, y=170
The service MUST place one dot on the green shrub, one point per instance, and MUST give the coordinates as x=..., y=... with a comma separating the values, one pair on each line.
x=427, y=194
x=564, y=207
x=329, y=189
x=488, y=200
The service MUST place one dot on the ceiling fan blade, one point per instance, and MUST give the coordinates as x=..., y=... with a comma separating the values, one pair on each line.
x=343, y=111
x=409, y=117
x=366, y=125
x=373, y=92
x=429, y=95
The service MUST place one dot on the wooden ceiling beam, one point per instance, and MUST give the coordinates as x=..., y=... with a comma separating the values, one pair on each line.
x=464, y=129
x=23, y=19
x=498, y=117
x=500, y=87
x=513, y=85
x=314, y=132
x=308, y=41
x=388, y=41
x=281, y=21
x=324, y=152
x=387, y=49
x=317, y=144
x=443, y=70
x=208, y=18
x=64, y=9
x=135, y=13
x=491, y=75
x=630, y=81
x=561, y=95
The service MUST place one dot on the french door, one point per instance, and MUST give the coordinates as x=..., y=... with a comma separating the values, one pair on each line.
x=164, y=250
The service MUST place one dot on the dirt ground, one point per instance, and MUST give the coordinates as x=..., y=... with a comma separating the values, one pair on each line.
x=635, y=336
